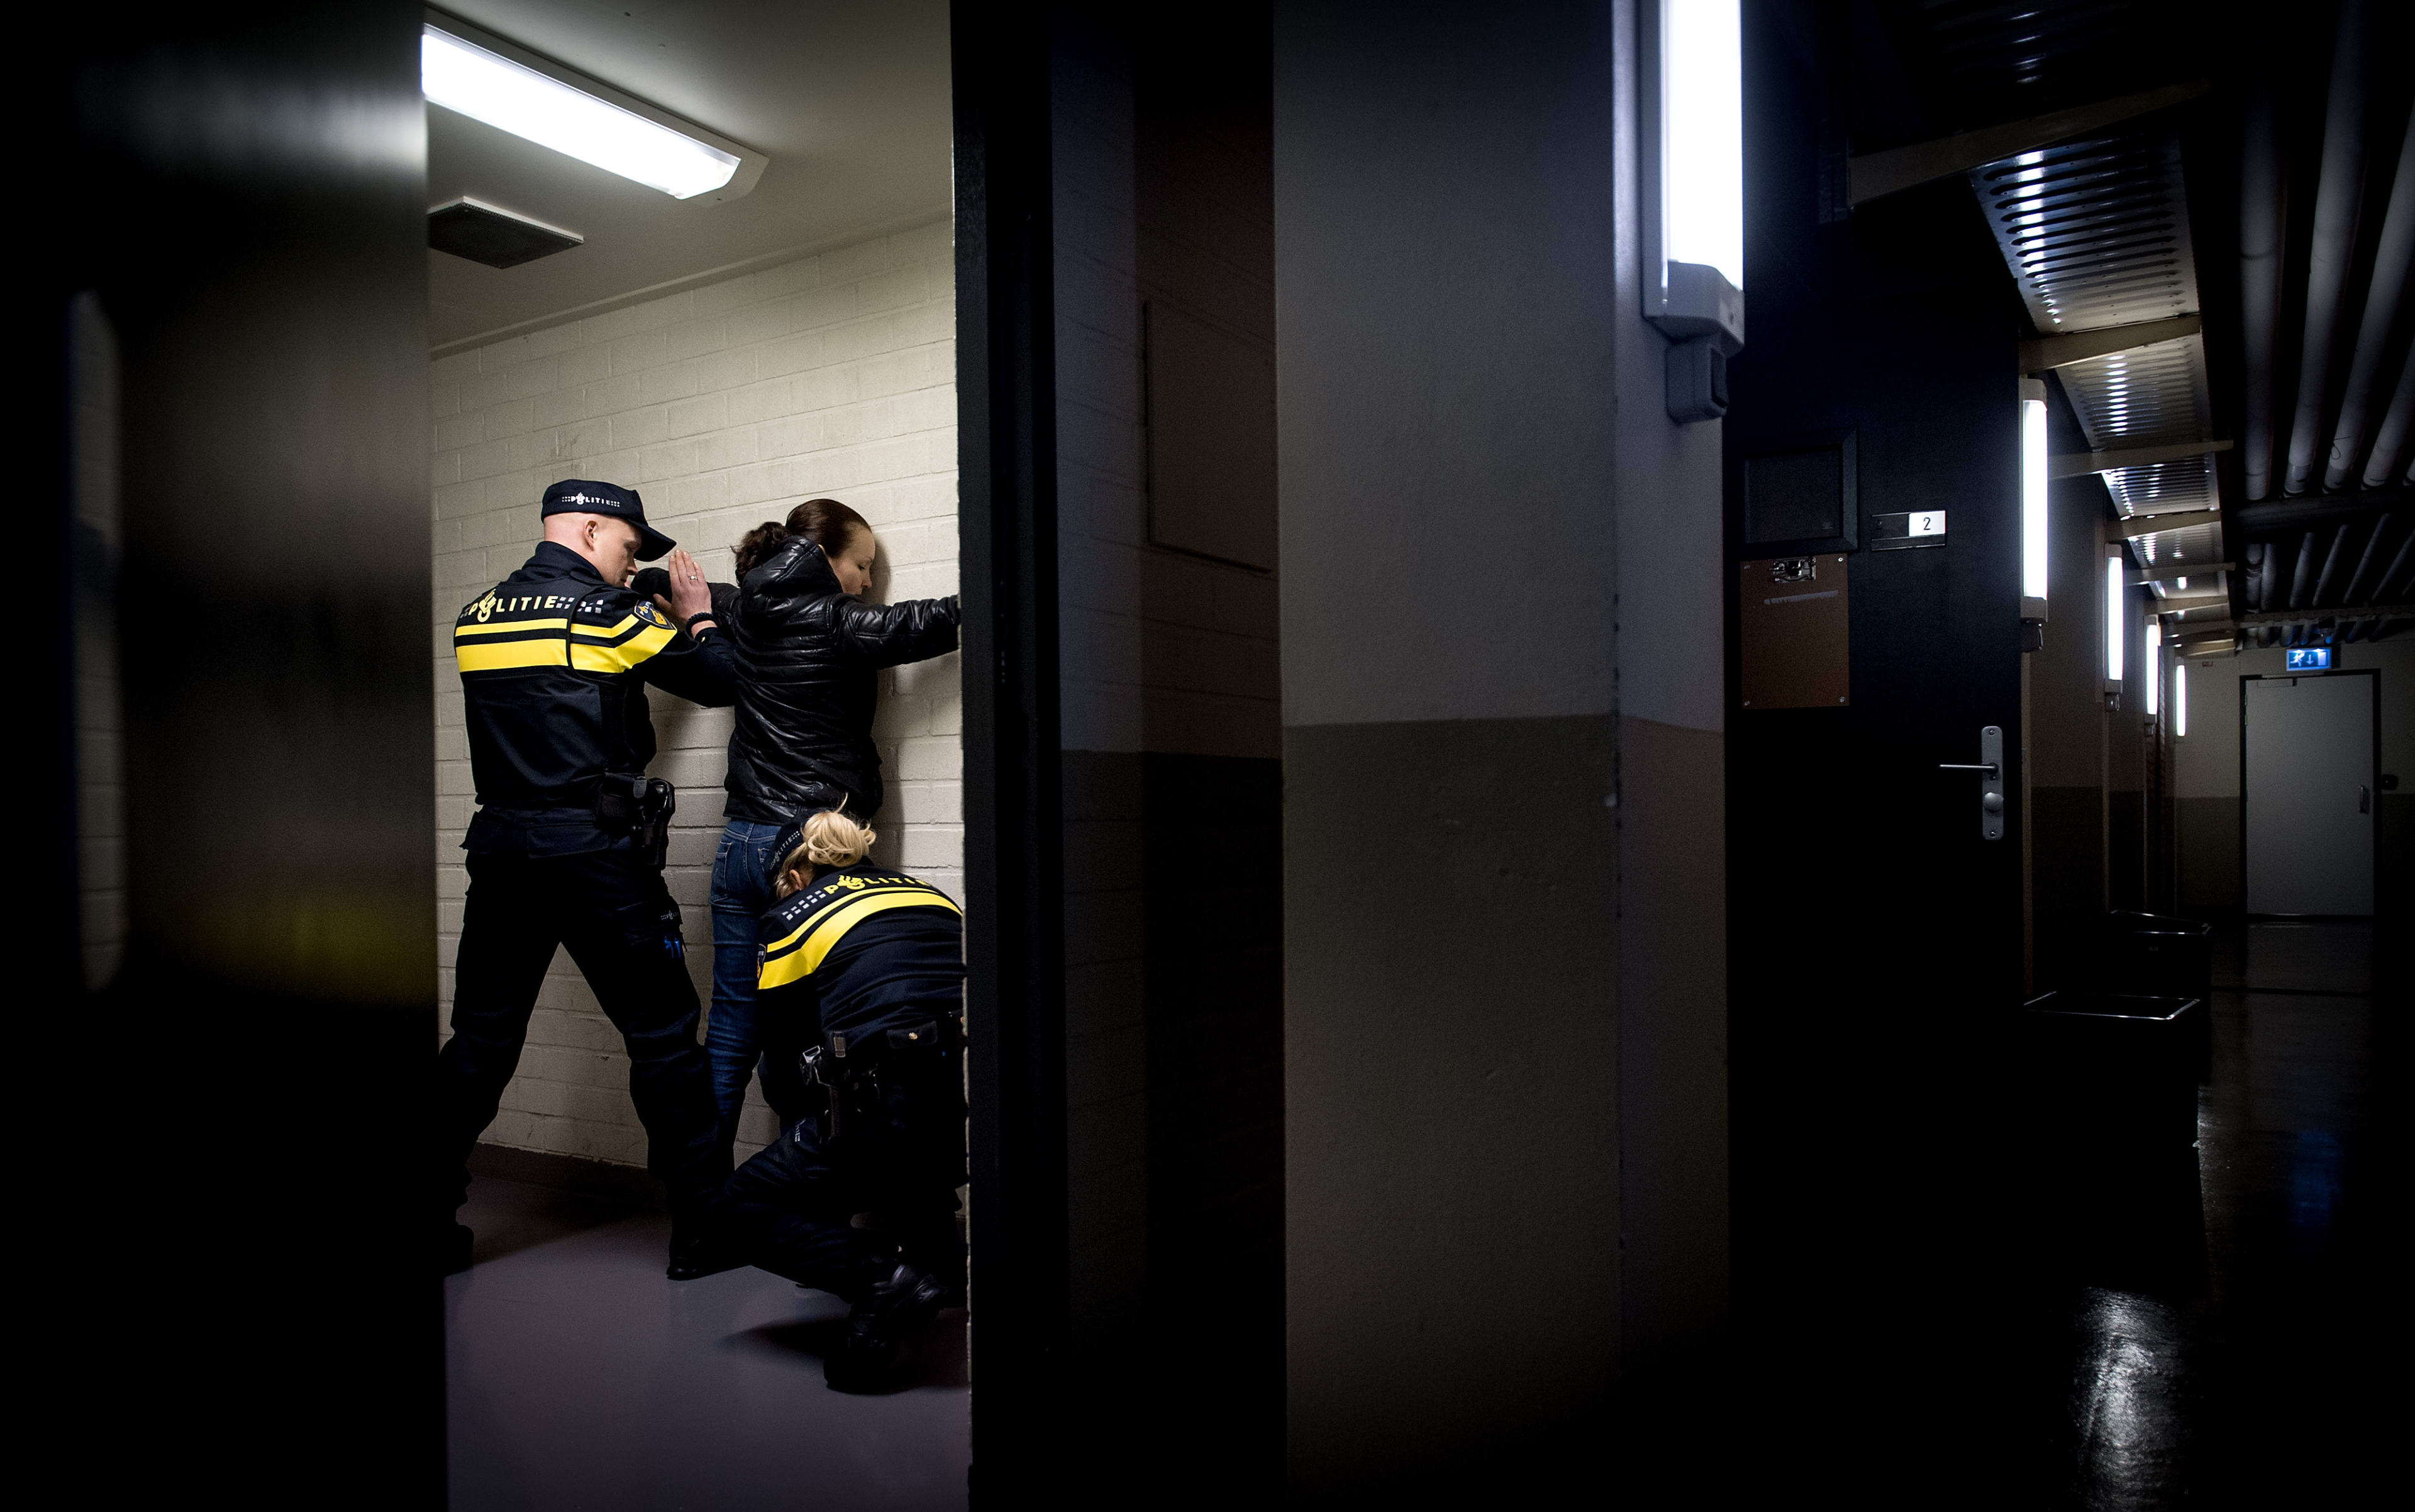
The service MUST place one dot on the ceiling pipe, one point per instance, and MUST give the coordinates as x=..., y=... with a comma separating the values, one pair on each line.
x=2335, y=202
x=2256, y=554
x=2365, y=562
x=2331, y=567
x=2304, y=573
x=2391, y=438
x=2397, y=569
x=2383, y=297
x=2260, y=223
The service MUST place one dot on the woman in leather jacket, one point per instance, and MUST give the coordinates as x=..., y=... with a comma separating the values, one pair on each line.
x=810, y=654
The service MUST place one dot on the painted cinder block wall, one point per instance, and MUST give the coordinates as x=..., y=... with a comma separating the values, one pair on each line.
x=725, y=405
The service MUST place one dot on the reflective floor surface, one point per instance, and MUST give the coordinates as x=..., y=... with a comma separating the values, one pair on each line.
x=580, y=1378
x=1944, y=1303
x=1948, y=1310
x=2226, y=1323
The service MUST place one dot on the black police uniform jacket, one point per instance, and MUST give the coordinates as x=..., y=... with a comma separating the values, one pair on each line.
x=554, y=662
x=861, y=951
x=809, y=661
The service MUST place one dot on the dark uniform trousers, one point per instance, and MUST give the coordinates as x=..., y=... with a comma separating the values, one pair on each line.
x=611, y=910
x=899, y=1155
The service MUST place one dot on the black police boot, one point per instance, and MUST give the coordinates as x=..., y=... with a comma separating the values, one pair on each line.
x=700, y=1247
x=453, y=1245
x=904, y=1302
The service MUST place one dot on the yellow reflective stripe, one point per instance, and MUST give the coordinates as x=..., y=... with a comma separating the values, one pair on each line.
x=496, y=656
x=840, y=900
x=779, y=969
x=624, y=657
x=504, y=626
x=606, y=634
x=859, y=909
x=780, y=972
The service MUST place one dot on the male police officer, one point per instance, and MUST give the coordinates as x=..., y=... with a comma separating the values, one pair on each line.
x=566, y=847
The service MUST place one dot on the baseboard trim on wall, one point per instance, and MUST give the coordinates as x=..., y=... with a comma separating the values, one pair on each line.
x=565, y=1172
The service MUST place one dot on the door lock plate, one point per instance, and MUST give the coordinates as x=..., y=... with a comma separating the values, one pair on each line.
x=1991, y=783
x=1991, y=768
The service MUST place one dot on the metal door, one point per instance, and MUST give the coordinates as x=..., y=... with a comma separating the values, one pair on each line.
x=2307, y=779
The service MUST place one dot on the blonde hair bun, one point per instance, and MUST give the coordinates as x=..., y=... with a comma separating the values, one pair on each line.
x=833, y=841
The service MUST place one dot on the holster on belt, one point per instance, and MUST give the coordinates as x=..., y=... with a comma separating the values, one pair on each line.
x=848, y=1068
x=639, y=806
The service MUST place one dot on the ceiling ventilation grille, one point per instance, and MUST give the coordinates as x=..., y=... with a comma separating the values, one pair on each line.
x=2095, y=233
x=2096, y=236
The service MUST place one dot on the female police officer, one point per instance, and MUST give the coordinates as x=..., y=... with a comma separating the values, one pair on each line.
x=862, y=979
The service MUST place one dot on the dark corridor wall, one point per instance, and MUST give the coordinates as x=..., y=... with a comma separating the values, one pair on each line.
x=1174, y=943
x=1876, y=934
x=1171, y=780
x=243, y=200
x=2068, y=735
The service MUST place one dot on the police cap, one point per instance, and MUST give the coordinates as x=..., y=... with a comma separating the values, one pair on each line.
x=584, y=495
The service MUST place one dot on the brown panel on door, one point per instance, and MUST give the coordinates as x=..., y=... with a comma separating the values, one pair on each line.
x=1796, y=652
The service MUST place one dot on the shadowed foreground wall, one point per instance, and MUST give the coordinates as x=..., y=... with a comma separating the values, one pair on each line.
x=1505, y=1018
x=1449, y=1036
x=244, y=208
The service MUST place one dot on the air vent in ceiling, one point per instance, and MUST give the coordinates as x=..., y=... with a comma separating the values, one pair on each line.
x=2097, y=236
x=498, y=238
x=2097, y=232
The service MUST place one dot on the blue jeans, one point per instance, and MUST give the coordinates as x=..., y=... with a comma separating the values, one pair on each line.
x=741, y=891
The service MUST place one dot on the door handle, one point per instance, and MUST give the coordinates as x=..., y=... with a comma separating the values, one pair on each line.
x=1991, y=768
x=2364, y=800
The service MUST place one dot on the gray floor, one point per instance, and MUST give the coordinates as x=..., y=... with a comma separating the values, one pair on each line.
x=580, y=1378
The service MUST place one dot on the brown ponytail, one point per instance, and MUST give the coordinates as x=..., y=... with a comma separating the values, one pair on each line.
x=825, y=522
x=756, y=545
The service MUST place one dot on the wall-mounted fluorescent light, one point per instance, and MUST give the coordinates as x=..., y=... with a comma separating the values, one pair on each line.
x=1704, y=110
x=2153, y=665
x=489, y=80
x=1693, y=195
x=2180, y=700
x=2034, y=510
x=2115, y=616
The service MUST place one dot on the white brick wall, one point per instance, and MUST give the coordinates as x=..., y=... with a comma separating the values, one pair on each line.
x=724, y=406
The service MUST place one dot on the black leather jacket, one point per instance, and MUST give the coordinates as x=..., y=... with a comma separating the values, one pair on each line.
x=809, y=661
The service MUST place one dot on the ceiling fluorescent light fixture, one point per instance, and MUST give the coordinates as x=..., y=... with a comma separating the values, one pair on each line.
x=1693, y=201
x=489, y=80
